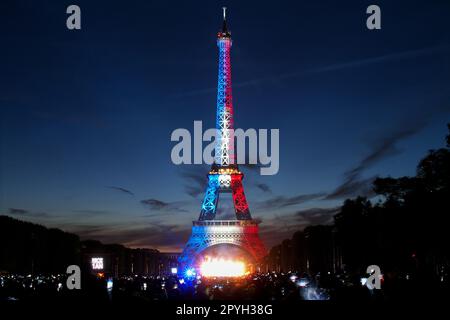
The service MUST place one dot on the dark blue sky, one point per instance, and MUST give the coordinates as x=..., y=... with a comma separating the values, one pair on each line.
x=86, y=116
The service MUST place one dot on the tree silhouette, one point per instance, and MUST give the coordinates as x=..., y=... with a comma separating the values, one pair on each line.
x=406, y=229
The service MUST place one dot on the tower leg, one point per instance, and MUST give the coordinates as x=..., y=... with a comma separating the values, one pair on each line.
x=211, y=198
x=240, y=202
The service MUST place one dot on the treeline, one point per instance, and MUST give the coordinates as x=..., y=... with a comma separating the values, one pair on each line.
x=403, y=228
x=30, y=248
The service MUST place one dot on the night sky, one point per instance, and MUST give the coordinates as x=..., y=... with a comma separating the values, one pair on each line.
x=86, y=116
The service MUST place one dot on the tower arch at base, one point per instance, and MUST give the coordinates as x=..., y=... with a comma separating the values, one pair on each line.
x=207, y=234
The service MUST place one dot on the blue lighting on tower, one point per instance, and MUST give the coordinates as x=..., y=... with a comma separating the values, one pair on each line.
x=210, y=201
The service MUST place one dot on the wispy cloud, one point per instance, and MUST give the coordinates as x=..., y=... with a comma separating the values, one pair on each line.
x=384, y=58
x=386, y=146
x=263, y=187
x=91, y=212
x=123, y=190
x=27, y=213
x=158, y=205
x=196, y=181
x=351, y=187
x=395, y=56
x=156, y=235
x=18, y=211
x=282, y=201
x=155, y=204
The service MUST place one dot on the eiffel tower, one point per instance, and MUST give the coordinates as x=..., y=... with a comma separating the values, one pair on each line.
x=224, y=177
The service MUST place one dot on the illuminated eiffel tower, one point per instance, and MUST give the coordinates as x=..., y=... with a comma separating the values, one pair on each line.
x=224, y=177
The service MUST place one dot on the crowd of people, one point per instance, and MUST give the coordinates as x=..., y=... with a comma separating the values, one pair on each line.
x=258, y=286
x=270, y=286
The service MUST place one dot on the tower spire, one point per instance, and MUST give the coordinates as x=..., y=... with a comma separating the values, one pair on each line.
x=224, y=33
x=224, y=25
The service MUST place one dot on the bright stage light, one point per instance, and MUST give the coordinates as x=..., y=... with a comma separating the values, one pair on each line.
x=190, y=272
x=220, y=267
x=174, y=270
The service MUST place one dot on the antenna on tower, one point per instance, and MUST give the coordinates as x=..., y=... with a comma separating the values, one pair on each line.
x=225, y=32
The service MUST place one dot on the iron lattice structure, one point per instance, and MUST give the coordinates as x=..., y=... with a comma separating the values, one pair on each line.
x=224, y=118
x=224, y=177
